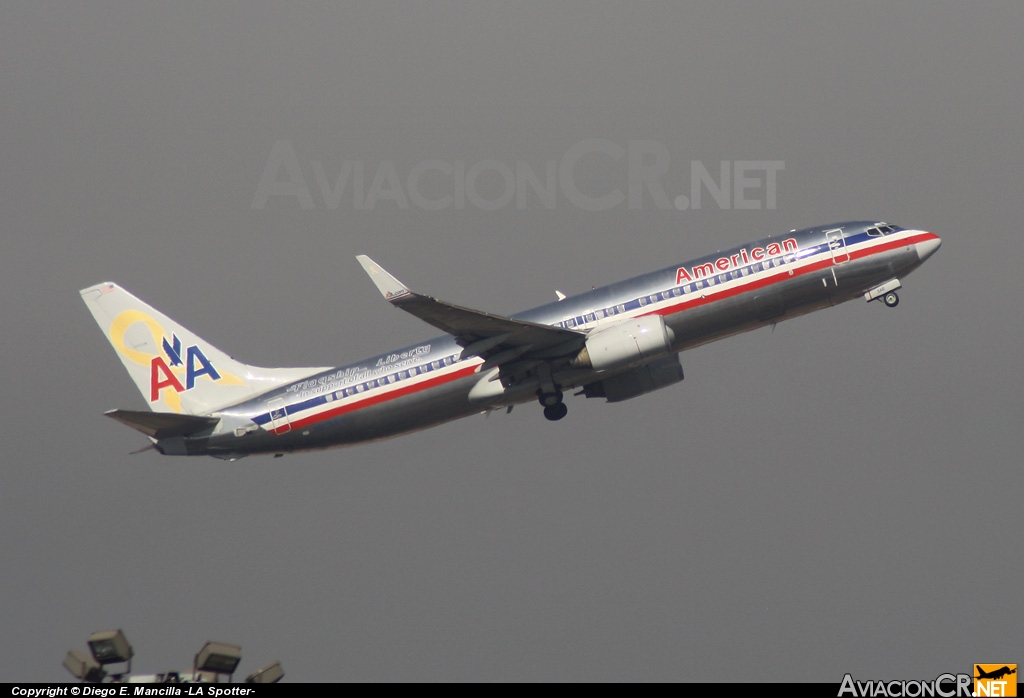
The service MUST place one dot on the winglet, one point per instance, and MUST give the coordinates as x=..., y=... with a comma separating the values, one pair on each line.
x=389, y=287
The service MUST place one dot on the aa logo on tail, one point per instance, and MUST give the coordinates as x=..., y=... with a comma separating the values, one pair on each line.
x=995, y=680
x=161, y=376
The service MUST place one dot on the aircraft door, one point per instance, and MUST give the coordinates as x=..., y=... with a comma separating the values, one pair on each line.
x=279, y=415
x=837, y=246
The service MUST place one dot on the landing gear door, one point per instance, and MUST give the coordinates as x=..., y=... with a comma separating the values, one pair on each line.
x=279, y=421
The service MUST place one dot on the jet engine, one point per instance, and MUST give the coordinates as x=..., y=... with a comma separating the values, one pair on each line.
x=626, y=343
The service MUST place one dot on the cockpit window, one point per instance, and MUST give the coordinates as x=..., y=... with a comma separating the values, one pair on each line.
x=881, y=229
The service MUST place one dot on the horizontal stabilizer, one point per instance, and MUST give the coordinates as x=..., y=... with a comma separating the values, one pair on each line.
x=161, y=425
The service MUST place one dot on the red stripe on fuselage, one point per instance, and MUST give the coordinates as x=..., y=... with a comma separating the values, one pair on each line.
x=376, y=399
x=755, y=284
x=752, y=285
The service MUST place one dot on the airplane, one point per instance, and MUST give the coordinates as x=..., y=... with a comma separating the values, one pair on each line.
x=996, y=674
x=614, y=342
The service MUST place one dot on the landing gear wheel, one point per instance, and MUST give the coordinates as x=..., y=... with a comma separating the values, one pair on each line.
x=891, y=299
x=556, y=411
x=550, y=399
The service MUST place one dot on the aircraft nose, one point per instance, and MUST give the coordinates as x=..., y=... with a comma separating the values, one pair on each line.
x=926, y=248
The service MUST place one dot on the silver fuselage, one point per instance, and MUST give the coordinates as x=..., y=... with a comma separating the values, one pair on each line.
x=427, y=383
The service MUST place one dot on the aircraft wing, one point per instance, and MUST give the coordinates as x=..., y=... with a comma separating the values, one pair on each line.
x=496, y=338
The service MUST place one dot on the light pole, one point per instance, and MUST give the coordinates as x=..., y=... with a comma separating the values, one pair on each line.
x=214, y=660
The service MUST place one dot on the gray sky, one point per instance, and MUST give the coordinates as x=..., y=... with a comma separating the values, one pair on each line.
x=839, y=495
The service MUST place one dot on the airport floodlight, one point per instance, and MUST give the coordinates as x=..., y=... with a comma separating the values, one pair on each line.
x=110, y=647
x=219, y=657
x=83, y=667
x=268, y=673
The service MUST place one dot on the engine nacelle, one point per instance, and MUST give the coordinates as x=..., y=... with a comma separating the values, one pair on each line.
x=645, y=378
x=626, y=343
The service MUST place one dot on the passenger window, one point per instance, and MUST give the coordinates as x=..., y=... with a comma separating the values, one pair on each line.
x=600, y=314
x=643, y=301
x=571, y=322
x=591, y=317
x=621, y=307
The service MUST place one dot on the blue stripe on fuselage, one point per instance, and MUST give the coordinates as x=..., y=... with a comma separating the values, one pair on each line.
x=627, y=294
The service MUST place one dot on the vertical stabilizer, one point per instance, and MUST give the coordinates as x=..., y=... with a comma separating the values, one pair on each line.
x=174, y=369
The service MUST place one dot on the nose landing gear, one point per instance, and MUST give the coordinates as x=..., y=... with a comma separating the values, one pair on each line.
x=886, y=292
